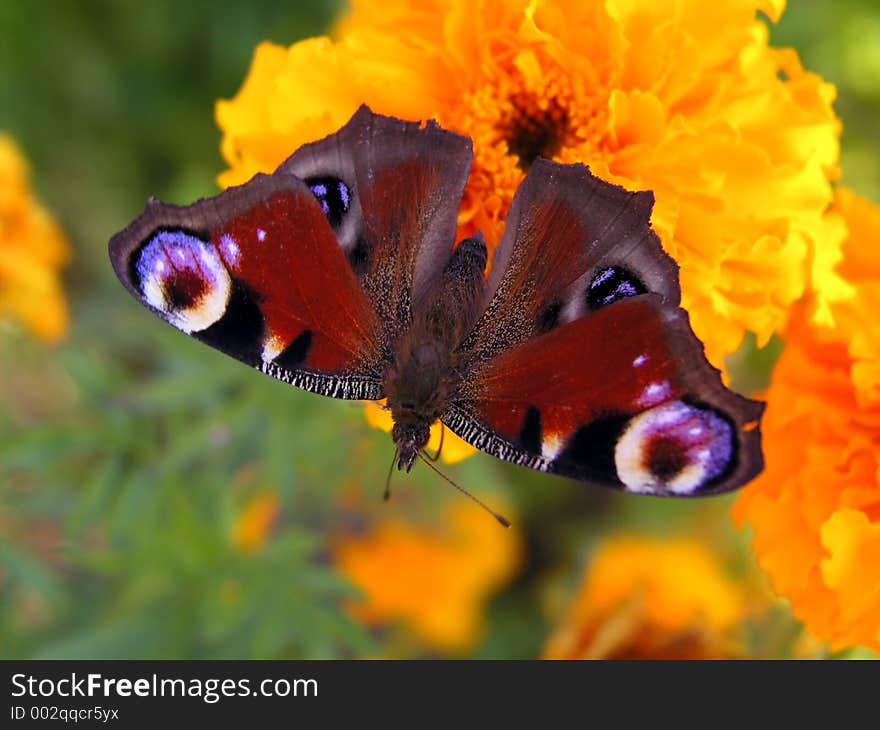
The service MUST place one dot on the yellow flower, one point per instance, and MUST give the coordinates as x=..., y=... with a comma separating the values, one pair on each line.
x=815, y=511
x=686, y=99
x=435, y=581
x=32, y=250
x=651, y=599
x=254, y=524
x=454, y=449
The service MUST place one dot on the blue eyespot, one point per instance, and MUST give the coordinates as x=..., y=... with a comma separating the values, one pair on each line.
x=183, y=277
x=612, y=284
x=674, y=448
x=333, y=195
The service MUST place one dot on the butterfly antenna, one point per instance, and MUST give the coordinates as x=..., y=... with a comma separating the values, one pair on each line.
x=501, y=520
x=386, y=495
x=436, y=456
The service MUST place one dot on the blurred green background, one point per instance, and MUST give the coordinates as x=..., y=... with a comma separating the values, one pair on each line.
x=128, y=453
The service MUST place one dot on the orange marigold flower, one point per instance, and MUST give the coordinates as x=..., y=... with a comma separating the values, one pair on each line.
x=253, y=525
x=815, y=510
x=32, y=250
x=651, y=599
x=435, y=581
x=857, y=318
x=454, y=449
x=686, y=99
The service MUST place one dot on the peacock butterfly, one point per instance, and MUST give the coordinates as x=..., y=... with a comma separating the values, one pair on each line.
x=338, y=274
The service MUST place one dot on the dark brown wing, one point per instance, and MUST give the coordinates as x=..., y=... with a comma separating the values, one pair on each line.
x=571, y=243
x=396, y=218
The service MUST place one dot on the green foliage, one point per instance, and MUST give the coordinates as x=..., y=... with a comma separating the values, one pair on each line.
x=118, y=512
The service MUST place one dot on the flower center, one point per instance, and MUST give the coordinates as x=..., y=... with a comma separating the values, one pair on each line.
x=513, y=118
x=533, y=127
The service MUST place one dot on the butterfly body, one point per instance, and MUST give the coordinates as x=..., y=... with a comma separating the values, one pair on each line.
x=339, y=274
x=426, y=373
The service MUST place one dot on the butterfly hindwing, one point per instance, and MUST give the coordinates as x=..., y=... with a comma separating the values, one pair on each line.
x=391, y=190
x=256, y=272
x=571, y=244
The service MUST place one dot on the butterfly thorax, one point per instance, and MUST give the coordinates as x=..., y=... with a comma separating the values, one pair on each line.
x=423, y=378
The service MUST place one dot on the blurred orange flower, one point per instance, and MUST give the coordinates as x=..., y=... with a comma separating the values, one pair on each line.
x=686, y=99
x=253, y=525
x=815, y=510
x=437, y=582
x=32, y=251
x=454, y=449
x=644, y=598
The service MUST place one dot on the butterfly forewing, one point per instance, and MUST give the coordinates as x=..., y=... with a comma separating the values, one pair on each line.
x=256, y=272
x=623, y=398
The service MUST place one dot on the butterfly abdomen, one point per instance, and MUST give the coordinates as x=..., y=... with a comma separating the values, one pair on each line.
x=423, y=378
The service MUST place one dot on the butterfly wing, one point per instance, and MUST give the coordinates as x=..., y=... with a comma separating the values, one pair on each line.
x=571, y=241
x=308, y=274
x=584, y=365
x=402, y=184
x=256, y=273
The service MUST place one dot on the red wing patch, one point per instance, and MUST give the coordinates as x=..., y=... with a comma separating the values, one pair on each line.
x=284, y=251
x=571, y=243
x=623, y=398
x=616, y=361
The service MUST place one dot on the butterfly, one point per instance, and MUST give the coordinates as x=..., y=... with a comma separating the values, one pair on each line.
x=339, y=274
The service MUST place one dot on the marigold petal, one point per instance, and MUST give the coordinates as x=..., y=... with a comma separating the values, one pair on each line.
x=32, y=251
x=435, y=581
x=636, y=118
x=852, y=569
x=253, y=525
x=815, y=510
x=640, y=595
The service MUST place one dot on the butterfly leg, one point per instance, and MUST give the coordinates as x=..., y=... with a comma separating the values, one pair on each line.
x=435, y=458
